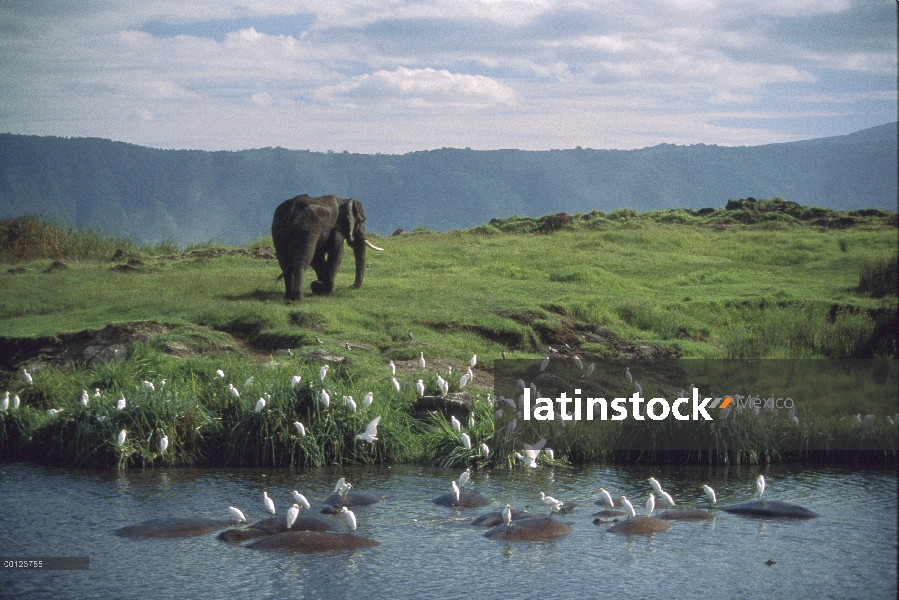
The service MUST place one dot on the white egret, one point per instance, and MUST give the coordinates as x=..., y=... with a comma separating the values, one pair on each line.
x=578, y=362
x=760, y=486
x=443, y=385
x=120, y=403
x=51, y=413
x=4, y=403
x=233, y=390
x=590, y=369
x=471, y=421
x=220, y=373
x=295, y=381
x=709, y=494
x=237, y=514
x=301, y=499
x=350, y=518
x=344, y=490
x=606, y=498
x=638, y=387
x=630, y=507
x=455, y=423
x=396, y=384
x=301, y=431
x=466, y=441
x=122, y=436
x=866, y=422
x=554, y=505
x=463, y=478
x=666, y=499
x=325, y=398
x=27, y=377
x=627, y=373
x=292, y=513
x=656, y=486
x=531, y=452
x=392, y=368
x=463, y=381
x=269, y=503
x=96, y=392
x=84, y=398
x=248, y=382
x=470, y=374
x=455, y=490
x=350, y=403
x=507, y=515
x=163, y=443
x=260, y=405
x=544, y=363
x=420, y=388
x=368, y=399
x=485, y=450
x=421, y=360
x=15, y=402
x=650, y=505
x=526, y=460
x=370, y=434
x=857, y=419
x=795, y=419
x=340, y=483
x=323, y=372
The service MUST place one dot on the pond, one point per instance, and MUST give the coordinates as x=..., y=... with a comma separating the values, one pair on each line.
x=429, y=551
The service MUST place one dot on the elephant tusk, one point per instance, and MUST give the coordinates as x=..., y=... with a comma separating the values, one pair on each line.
x=373, y=247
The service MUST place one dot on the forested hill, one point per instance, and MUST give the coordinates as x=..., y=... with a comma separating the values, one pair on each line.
x=193, y=195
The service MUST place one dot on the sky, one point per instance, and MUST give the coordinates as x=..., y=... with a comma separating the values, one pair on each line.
x=394, y=76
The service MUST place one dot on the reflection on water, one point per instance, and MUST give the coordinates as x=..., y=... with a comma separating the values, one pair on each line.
x=430, y=551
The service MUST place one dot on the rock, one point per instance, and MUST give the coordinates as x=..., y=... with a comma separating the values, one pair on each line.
x=173, y=527
x=492, y=519
x=311, y=541
x=540, y=528
x=770, y=508
x=640, y=525
x=467, y=499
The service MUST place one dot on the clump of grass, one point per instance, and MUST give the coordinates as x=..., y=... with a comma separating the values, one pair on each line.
x=877, y=277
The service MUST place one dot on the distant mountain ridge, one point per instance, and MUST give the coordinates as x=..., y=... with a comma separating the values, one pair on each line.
x=194, y=195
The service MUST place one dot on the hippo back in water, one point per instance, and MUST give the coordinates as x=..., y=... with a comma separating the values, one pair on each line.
x=311, y=541
x=173, y=527
x=770, y=508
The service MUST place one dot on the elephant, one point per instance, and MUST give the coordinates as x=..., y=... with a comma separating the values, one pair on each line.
x=309, y=231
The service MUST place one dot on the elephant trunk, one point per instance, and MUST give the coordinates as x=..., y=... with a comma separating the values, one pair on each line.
x=359, y=253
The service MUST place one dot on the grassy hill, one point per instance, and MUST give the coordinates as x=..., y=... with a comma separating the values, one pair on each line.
x=766, y=279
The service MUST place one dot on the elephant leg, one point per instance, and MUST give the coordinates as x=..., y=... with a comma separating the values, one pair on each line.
x=319, y=286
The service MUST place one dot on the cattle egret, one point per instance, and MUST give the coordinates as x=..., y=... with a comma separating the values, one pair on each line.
x=579, y=362
x=455, y=423
x=421, y=360
x=474, y=360
x=463, y=381
x=340, y=483
x=122, y=436
x=51, y=413
x=630, y=507
x=350, y=518
x=344, y=490
x=709, y=494
x=220, y=373
x=507, y=515
x=325, y=398
x=420, y=387
x=656, y=486
x=526, y=460
x=760, y=486
x=466, y=441
x=233, y=390
x=248, y=382
x=606, y=498
x=15, y=402
x=471, y=421
x=323, y=372
x=443, y=385
x=857, y=419
x=260, y=405
x=371, y=431
x=544, y=363
x=96, y=392
x=163, y=444
x=301, y=499
x=392, y=368
x=301, y=431
x=84, y=398
x=485, y=450
x=4, y=404
x=554, y=505
x=27, y=377
x=120, y=404
x=269, y=503
x=295, y=381
x=795, y=419
x=237, y=514
x=455, y=490
x=866, y=422
x=319, y=340
x=350, y=403
x=627, y=373
x=463, y=478
x=590, y=369
x=292, y=513
x=396, y=384
x=638, y=387
x=650, y=505
x=666, y=499
x=369, y=398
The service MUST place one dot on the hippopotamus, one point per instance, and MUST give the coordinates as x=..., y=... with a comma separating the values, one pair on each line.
x=770, y=508
x=641, y=525
x=274, y=525
x=539, y=528
x=311, y=541
x=353, y=498
x=492, y=519
x=173, y=527
x=686, y=515
x=467, y=499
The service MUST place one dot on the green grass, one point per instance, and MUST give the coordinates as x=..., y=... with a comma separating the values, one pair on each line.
x=757, y=280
